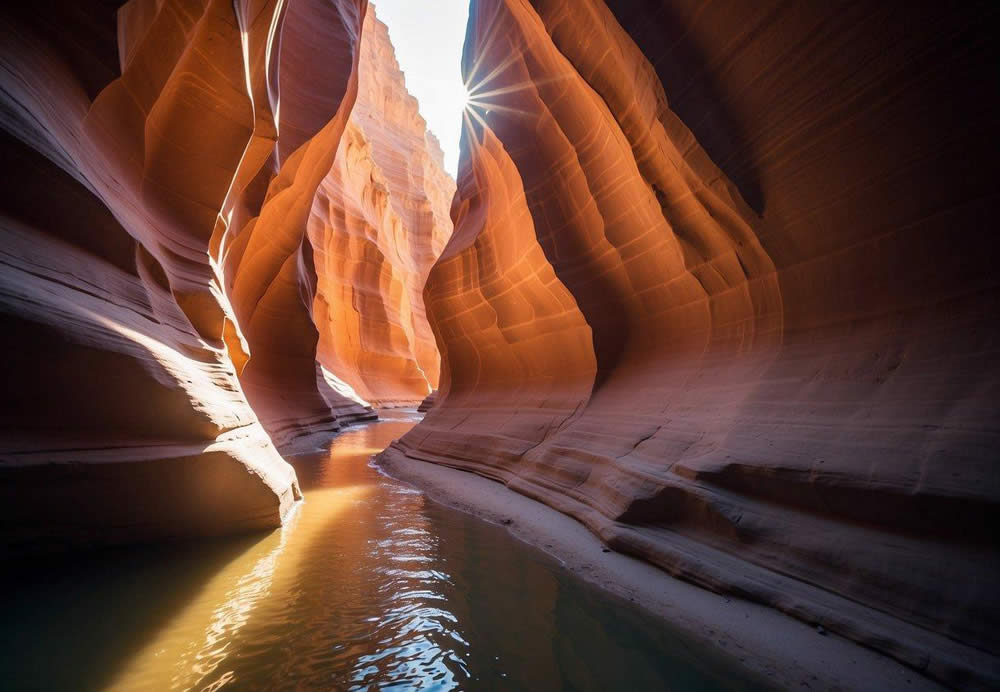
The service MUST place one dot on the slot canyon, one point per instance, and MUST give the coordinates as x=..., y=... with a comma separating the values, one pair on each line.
x=707, y=319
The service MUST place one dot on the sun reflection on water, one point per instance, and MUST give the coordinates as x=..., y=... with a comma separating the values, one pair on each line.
x=368, y=586
x=228, y=600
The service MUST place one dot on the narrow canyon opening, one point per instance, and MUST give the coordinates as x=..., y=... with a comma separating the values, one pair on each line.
x=697, y=296
x=381, y=216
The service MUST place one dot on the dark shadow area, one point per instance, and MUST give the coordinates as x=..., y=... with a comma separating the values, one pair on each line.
x=84, y=34
x=73, y=621
x=663, y=36
x=44, y=197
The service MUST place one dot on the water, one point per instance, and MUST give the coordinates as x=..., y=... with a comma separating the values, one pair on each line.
x=370, y=585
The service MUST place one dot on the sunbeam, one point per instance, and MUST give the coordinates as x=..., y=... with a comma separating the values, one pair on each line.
x=481, y=97
x=510, y=60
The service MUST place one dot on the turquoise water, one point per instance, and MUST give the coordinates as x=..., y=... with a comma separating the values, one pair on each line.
x=369, y=586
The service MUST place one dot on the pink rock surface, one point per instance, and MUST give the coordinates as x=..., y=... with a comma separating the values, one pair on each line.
x=138, y=144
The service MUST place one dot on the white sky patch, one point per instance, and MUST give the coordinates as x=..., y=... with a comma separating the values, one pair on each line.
x=428, y=36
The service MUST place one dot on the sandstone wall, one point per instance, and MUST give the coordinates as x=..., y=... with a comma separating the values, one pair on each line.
x=721, y=287
x=266, y=258
x=378, y=223
x=153, y=217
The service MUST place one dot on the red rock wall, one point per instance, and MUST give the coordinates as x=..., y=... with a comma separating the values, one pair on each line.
x=721, y=287
x=132, y=307
x=378, y=223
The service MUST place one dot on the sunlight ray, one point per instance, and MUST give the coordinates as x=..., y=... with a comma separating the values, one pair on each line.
x=497, y=107
x=467, y=119
x=479, y=118
x=520, y=86
x=487, y=44
x=507, y=62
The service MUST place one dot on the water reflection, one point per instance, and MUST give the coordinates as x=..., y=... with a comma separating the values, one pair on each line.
x=369, y=586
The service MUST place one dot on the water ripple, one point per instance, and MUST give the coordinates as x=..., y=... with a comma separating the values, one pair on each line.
x=371, y=586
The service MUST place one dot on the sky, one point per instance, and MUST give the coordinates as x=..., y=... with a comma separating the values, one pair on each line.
x=428, y=36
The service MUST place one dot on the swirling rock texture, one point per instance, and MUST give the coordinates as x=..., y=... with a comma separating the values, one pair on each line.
x=380, y=220
x=267, y=260
x=721, y=287
x=137, y=144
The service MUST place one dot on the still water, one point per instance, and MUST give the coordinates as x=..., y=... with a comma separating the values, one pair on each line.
x=369, y=586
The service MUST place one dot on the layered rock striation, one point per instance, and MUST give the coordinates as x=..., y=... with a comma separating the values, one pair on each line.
x=721, y=288
x=378, y=223
x=260, y=236
x=153, y=223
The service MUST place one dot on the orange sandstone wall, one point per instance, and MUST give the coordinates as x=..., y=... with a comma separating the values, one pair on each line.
x=378, y=223
x=721, y=287
x=266, y=258
x=140, y=144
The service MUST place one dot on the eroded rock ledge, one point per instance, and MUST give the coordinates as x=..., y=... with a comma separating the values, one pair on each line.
x=721, y=287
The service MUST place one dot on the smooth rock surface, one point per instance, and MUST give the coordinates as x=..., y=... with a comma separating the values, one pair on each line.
x=265, y=255
x=721, y=287
x=135, y=139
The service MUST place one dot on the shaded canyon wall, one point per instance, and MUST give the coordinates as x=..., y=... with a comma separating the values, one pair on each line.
x=153, y=221
x=721, y=287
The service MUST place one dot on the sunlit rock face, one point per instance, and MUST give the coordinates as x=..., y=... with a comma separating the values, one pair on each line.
x=305, y=95
x=145, y=158
x=721, y=287
x=379, y=221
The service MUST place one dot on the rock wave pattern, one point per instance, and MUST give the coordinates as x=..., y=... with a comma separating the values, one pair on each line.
x=721, y=287
x=155, y=282
x=379, y=221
